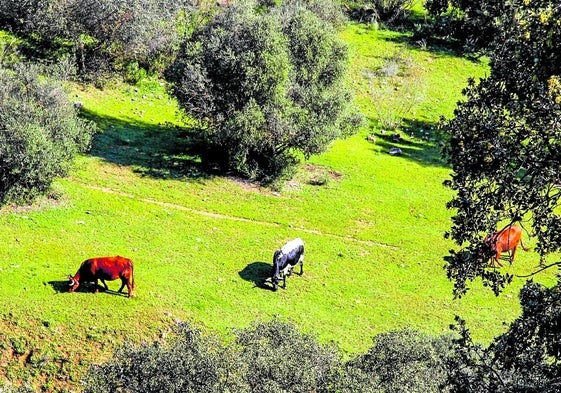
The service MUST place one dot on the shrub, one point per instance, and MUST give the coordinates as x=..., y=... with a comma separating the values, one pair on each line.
x=40, y=133
x=274, y=357
x=281, y=359
x=471, y=25
x=103, y=35
x=266, y=86
x=192, y=363
x=327, y=11
x=400, y=361
x=388, y=12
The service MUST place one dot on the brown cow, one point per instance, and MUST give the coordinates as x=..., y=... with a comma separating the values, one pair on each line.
x=506, y=239
x=104, y=268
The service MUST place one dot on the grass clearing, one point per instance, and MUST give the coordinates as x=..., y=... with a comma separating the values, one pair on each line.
x=373, y=225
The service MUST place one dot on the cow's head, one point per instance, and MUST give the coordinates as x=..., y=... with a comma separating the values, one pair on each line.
x=486, y=249
x=73, y=284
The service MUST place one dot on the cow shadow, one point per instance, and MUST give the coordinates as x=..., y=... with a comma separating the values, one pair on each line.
x=59, y=286
x=62, y=287
x=257, y=273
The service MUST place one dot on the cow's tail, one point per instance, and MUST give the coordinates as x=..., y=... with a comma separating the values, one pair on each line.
x=132, y=275
x=523, y=247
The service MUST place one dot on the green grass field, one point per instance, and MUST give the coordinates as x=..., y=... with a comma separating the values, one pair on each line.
x=373, y=225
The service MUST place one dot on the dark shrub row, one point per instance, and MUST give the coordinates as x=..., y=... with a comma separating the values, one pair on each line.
x=273, y=357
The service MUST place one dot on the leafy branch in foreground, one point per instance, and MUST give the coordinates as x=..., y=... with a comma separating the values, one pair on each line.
x=505, y=144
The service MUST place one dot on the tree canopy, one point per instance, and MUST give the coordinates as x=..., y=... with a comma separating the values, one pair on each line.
x=505, y=140
x=40, y=132
x=266, y=86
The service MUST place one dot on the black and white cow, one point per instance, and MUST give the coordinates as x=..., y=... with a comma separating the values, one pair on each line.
x=285, y=259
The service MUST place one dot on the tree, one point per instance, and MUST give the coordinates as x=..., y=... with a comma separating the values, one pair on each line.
x=400, y=361
x=468, y=23
x=273, y=357
x=266, y=87
x=527, y=358
x=505, y=144
x=102, y=35
x=191, y=363
x=40, y=132
x=281, y=359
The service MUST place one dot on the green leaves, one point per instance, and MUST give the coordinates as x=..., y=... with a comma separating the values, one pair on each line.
x=267, y=85
x=503, y=145
x=40, y=133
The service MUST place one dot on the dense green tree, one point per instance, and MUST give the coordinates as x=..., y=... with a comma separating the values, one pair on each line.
x=505, y=153
x=504, y=145
x=388, y=12
x=274, y=357
x=527, y=358
x=40, y=132
x=191, y=363
x=102, y=35
x=266, y=86
x=281, y=359
x=400, y=361
x=470, y=24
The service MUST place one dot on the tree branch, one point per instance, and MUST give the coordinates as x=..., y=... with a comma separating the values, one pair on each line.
x=540, y=270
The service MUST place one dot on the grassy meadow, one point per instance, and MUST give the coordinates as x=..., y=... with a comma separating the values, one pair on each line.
x=373, y=225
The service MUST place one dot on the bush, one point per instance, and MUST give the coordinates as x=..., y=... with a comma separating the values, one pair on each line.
x=274, y=357
x=266, y=87
x=40, y=133
x=327, y=11
x=388, y=12
x=400, y=361
x=278, y=358
x=471, y=25
x=193, y=363
x=102, y=35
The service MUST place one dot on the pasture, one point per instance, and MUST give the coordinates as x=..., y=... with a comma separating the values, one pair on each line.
x=373, y=225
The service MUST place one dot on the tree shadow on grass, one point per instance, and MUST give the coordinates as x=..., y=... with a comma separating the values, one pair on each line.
x=418, y=141
x=257, y=273
x=162, y=151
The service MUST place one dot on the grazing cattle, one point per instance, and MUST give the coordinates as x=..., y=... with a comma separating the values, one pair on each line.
x=504, y=240
x=285, y=259
x=104, y=268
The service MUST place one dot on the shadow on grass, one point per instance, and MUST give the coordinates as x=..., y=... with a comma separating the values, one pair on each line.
x=418, y=143
x=162, y=151
x=59, y=286
x=437, y=46
x=62, y=287
x=257, y=273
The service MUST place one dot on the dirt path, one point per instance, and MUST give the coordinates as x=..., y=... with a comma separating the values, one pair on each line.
x=221, y=216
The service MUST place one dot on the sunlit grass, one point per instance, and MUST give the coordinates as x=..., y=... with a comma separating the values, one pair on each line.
x=373, y=225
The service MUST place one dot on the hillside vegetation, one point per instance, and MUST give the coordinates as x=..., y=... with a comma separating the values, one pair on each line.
x=373, y=225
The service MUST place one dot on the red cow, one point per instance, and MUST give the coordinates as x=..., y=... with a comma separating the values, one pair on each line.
x=104, y=268
x=506, y=239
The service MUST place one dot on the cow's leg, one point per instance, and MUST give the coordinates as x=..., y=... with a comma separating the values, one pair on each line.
x=512, y=255
x=104, y=284
x=301, y=260
x=129, y=288
x=284, y=281
x=496, y=259
x=123, y=283
x=96, y=290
